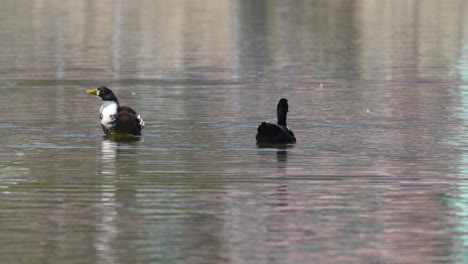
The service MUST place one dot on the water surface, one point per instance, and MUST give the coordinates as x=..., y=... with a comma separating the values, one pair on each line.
x=378, y=99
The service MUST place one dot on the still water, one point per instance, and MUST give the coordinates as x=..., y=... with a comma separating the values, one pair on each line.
x=378, y=100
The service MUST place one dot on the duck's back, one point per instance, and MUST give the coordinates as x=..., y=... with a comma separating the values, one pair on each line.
x=273, y=133
x=127, y=121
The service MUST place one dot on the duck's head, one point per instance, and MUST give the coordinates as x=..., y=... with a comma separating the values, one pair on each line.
x=282, y=111
x=282, y=106
x=105, y=93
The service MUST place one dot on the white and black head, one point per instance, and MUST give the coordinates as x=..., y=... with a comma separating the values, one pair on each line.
x=104, y=93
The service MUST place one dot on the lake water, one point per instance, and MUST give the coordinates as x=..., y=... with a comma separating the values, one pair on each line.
x=378, y=100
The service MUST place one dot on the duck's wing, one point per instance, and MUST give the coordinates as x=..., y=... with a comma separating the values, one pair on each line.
x=274, y=133
x=291, y=138
x=269, y=130
x=129, y=121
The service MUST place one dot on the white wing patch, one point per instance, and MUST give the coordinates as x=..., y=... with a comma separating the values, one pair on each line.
x=142, y=123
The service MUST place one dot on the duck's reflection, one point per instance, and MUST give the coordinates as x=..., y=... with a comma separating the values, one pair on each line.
x=125, y=139
x=117, y=160
x=111, y=147
x=108, y=156
x=280, y=195
x=282, y=158
x=278, y=221
x=281, y=192
x=281, y=153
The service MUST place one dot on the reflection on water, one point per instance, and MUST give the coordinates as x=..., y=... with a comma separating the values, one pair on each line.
x=282, y=157
x=377, y=94
x=108, y=154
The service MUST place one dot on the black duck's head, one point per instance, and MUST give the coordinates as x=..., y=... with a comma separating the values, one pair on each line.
x=281, y=111
x=105, y=93
x=282, y=107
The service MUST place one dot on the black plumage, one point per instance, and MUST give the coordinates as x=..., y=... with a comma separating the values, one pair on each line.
x=276, y=133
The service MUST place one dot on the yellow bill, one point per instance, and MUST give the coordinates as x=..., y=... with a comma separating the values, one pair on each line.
x=93, y=91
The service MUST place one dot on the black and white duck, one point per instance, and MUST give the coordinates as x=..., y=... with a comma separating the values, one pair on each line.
x=117, y=119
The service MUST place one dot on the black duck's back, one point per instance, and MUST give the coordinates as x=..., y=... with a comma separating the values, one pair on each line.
x=273, y=133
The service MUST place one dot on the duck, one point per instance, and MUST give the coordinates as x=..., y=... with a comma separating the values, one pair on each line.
x=276, y=133
x=117, y=119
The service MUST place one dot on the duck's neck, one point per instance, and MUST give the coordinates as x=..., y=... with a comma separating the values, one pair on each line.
x=109, y=107
x=282, y=118
x=108, y=112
